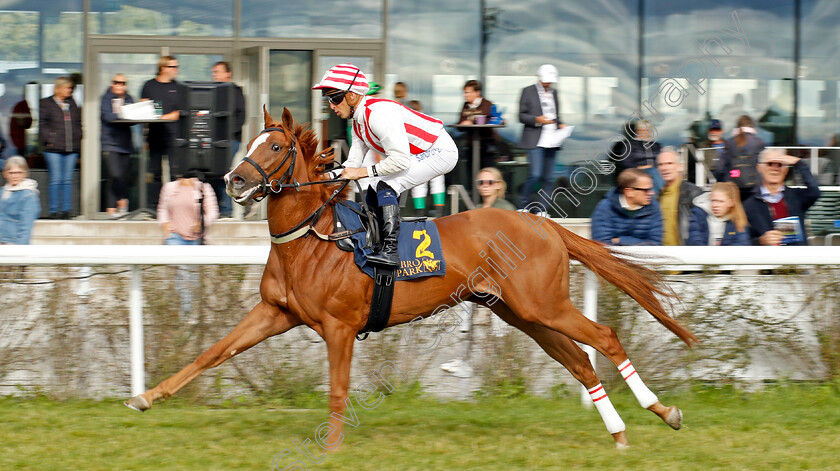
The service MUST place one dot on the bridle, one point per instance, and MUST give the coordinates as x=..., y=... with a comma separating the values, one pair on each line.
x=287, y=181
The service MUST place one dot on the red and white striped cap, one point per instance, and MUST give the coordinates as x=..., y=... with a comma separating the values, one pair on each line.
x=341, y=77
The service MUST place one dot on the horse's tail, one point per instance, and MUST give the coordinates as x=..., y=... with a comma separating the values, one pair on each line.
x=641, y=283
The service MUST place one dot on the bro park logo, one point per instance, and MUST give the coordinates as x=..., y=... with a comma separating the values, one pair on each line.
x=424, y=259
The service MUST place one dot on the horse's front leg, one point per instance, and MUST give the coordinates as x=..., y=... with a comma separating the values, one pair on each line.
x=340, y=339
x=264, y=321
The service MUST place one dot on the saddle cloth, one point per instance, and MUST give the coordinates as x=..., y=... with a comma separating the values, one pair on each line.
x=419, y=245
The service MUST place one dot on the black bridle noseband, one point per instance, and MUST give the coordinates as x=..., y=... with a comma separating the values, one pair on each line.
x=287, y=181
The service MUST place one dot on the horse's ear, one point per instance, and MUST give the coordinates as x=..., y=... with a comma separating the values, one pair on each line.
x=268, y=118
x=288, y=123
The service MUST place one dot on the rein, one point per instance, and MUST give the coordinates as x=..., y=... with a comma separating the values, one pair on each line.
x=287, y=181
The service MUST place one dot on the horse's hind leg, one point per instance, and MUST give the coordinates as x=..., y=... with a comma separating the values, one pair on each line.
x=264, y=320
x=568, y=354
x=569, y=321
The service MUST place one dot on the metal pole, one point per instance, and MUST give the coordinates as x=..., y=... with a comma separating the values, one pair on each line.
x=590, y=310
x=135, y=329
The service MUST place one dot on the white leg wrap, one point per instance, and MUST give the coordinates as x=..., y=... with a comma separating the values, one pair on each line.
x=645, y=396
x=605, y=408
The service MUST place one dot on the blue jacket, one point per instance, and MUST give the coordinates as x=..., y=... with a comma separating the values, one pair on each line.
x=698, y=231
x=798, y=201
x=18, y=212
x=642, y=227
x=114, y=137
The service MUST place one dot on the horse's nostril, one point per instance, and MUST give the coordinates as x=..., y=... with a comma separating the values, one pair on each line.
x=237, y=181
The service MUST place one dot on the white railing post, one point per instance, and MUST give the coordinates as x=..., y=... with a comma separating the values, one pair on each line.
x=815, y=161
x=590, y=310
x=135, y=329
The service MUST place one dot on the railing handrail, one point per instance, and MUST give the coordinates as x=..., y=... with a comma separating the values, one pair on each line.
x=257, y=255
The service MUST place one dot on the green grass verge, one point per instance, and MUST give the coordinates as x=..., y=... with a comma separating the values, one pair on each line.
x=790, y=427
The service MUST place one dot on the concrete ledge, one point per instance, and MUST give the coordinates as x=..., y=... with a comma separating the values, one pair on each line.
x=225, y=232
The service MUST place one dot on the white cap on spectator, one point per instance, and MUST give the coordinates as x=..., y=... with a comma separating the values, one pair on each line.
x=547, y=73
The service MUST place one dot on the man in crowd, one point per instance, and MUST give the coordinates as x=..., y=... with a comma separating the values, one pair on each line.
x=628, y=215
x=222, y=73
x=774, y=201
x=162, y=89
x=676, y=198
x=539, y=111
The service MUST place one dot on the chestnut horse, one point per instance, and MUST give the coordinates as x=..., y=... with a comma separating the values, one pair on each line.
x=525, y=282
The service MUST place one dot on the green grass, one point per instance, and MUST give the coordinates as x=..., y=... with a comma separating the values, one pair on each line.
x=790, y=427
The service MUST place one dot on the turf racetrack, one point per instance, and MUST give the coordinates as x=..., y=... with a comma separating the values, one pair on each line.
x=791, y=427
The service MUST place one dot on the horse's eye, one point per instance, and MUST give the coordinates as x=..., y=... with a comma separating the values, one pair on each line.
x=275, y=147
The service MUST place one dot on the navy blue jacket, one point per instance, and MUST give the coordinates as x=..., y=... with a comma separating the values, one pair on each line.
x=114, y=137
x=641, y=227
x=698, y=231
x=798, y=201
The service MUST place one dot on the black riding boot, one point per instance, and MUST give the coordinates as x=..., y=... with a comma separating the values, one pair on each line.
x=389, y=228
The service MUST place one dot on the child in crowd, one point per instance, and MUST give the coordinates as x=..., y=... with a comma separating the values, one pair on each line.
x=718, y=217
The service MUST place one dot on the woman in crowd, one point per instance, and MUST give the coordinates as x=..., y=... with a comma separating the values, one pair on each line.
x=491, y=188
x=718, y=217
x=19, y=203
x=60, y=130
x=186, y=206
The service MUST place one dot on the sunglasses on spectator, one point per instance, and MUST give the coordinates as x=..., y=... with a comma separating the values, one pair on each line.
x=775, y=164
x=646, y=190
x=119, y=82
x=485, y=182
x=173, y=66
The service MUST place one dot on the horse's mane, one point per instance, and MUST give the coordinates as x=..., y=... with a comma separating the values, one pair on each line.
x=315, y=164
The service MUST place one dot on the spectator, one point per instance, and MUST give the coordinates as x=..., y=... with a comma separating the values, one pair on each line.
x=714, y=140
x=19, y=203
x=539, y=111
x=774, y=200
x=60, y=130
x=491, y=186
x=627, y=215
x=186, y=209
x=638, y=150
x=20, y=122
x=115, y=140
x=476, y=105
x=675, y=199
x=718, y=217
x=222, y=73
x=163, y=89
x=738, y=162
x=400, y=92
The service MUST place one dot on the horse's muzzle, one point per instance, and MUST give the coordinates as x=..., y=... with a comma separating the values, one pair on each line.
x=238, y=188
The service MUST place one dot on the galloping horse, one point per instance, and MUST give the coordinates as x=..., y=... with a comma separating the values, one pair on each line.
x=525, y=282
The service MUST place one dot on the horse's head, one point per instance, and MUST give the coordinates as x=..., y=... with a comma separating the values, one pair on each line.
x=269, y=162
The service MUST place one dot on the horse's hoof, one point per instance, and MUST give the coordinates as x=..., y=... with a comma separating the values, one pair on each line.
x=621, y=440
x=674, y=417
x=138, y=403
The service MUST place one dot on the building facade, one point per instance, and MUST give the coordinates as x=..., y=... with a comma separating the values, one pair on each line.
x=679, y=62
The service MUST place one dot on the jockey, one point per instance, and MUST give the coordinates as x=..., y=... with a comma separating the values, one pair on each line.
x=416, y=148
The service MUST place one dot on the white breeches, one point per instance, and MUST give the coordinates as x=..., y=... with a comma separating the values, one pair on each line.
x=435, y=162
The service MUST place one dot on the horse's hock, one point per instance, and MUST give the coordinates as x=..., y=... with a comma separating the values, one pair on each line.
x=64, y=331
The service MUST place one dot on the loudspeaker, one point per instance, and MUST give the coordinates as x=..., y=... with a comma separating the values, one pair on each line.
x=205, y=128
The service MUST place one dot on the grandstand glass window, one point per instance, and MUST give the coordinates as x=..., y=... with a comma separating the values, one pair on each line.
x=163, y=17
x=594, y=46
x=755, y=78
x=357, y=19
